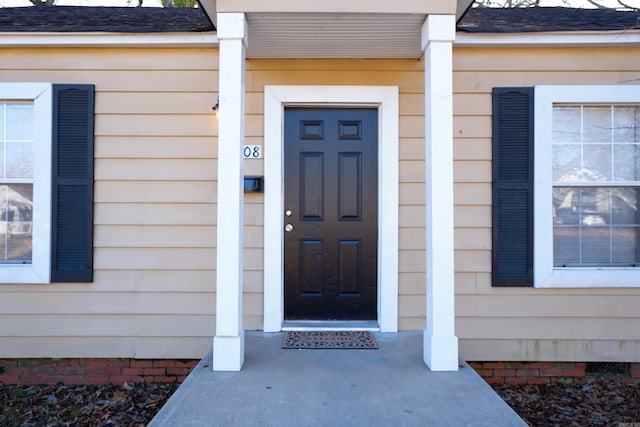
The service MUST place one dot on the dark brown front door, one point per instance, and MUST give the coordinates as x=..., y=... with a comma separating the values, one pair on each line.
x=331, y=213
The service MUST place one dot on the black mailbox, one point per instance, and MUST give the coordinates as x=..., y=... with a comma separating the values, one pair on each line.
x=253, y=184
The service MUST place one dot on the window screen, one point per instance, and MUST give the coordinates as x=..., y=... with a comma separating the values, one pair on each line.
x=596, y=183
x=16, y=181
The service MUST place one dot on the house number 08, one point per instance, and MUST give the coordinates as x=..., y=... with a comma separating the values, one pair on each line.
x=252, y=151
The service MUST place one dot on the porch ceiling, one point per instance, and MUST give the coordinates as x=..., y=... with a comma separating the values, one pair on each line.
x=334, y=35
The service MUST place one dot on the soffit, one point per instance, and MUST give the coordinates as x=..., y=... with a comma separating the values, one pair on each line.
x=334, y=35
x=334, y=6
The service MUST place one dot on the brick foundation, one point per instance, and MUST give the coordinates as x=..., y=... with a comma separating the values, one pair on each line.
x=544, y=372
x=116, y=371
x=93, y=371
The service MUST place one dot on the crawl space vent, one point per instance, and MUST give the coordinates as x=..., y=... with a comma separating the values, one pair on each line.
x=608, y=369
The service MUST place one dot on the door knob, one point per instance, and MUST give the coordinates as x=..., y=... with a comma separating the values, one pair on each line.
x=288, y=212
x=288, y=228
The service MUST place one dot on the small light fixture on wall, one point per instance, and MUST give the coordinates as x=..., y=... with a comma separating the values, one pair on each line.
x=216, y=108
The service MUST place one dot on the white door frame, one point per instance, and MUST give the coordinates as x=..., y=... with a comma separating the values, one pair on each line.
x=385, y=98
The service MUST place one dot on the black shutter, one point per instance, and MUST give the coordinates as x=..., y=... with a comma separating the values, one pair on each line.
x=512, y=187
x=72, y=184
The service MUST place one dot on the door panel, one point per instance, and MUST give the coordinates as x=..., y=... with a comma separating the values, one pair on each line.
x=331, y=191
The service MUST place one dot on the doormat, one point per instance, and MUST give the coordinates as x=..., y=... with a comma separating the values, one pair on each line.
x=355, y=340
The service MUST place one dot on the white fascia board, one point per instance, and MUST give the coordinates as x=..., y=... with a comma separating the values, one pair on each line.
x=549, y=39
x=39, y=39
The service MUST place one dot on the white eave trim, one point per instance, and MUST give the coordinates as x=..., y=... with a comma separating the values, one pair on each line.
x=564, y=39
x=81, y=39
x=549, y=39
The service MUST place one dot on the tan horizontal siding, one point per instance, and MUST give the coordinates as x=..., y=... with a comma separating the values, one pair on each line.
x=87, y=325
x=548, y=328
x=181, y=103
x=411, y=261
x=111, y=59
x=155, y=214
x=472, y=238
x=476, y=81
x=411, y=283
x=154, y=258
x=254, y=282
x=545, y=60
x=411, y=216
x=156, y=189
x=153, y=293
x=472, y=171
x=252, y=304
x=253, y=236
x=253, y=259
x=413, y=237
x=466, y=283
x=155, y=169
x=123, y=303
x=411, y=171
x=408, y=81
x=158, y=146
x=132, y=125
x=124, y=80
x=411, y=193
x=597, y=350
x=127, y=281
x=254, y=167
x=562, y=306
x=254, y=103
x=152, y=347
x=128, y=191
x=412, y=126
x=471, y=149
x=411, y=323
x=411, y=149
x=253, y=126
x=527, y=323
x=471, y=193
x=150, y=236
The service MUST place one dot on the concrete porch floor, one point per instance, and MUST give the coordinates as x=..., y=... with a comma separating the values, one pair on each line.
x=389, y=386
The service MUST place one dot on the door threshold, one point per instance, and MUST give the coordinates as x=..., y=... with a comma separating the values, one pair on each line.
x=328, y=325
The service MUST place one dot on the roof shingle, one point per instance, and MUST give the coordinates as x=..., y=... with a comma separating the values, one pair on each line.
x=103, y=19
x=163, y=20
x=541, y=19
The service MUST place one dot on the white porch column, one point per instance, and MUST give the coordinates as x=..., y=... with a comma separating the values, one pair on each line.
x=440, y=342
x=228, y=344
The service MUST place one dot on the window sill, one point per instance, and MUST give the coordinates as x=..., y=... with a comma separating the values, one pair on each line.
x=590, y=277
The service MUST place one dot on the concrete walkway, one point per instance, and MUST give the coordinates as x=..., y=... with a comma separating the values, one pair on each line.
x=389, y=386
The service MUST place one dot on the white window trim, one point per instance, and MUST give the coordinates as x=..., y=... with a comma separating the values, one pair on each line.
x=385, y=98
x=39, y=270
x=544, y=273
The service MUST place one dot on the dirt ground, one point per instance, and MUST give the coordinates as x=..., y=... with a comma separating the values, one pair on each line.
x=128, y=404
x=597, y=403
x=600, y=402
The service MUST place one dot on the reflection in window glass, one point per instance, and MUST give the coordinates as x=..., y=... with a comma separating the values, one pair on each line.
x=596, y=124
x=16, y=182
x=596, y=173
x=16, y=220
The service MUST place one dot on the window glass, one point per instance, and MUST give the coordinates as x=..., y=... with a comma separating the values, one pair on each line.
x=16, y=182
x=596, y=170
x=625, y=124
x=566, y=124
x=596, y=124
x=626, y=158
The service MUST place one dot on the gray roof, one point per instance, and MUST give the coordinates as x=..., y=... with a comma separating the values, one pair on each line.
x=103, y=19
x=540, y=19
x=153, y=20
